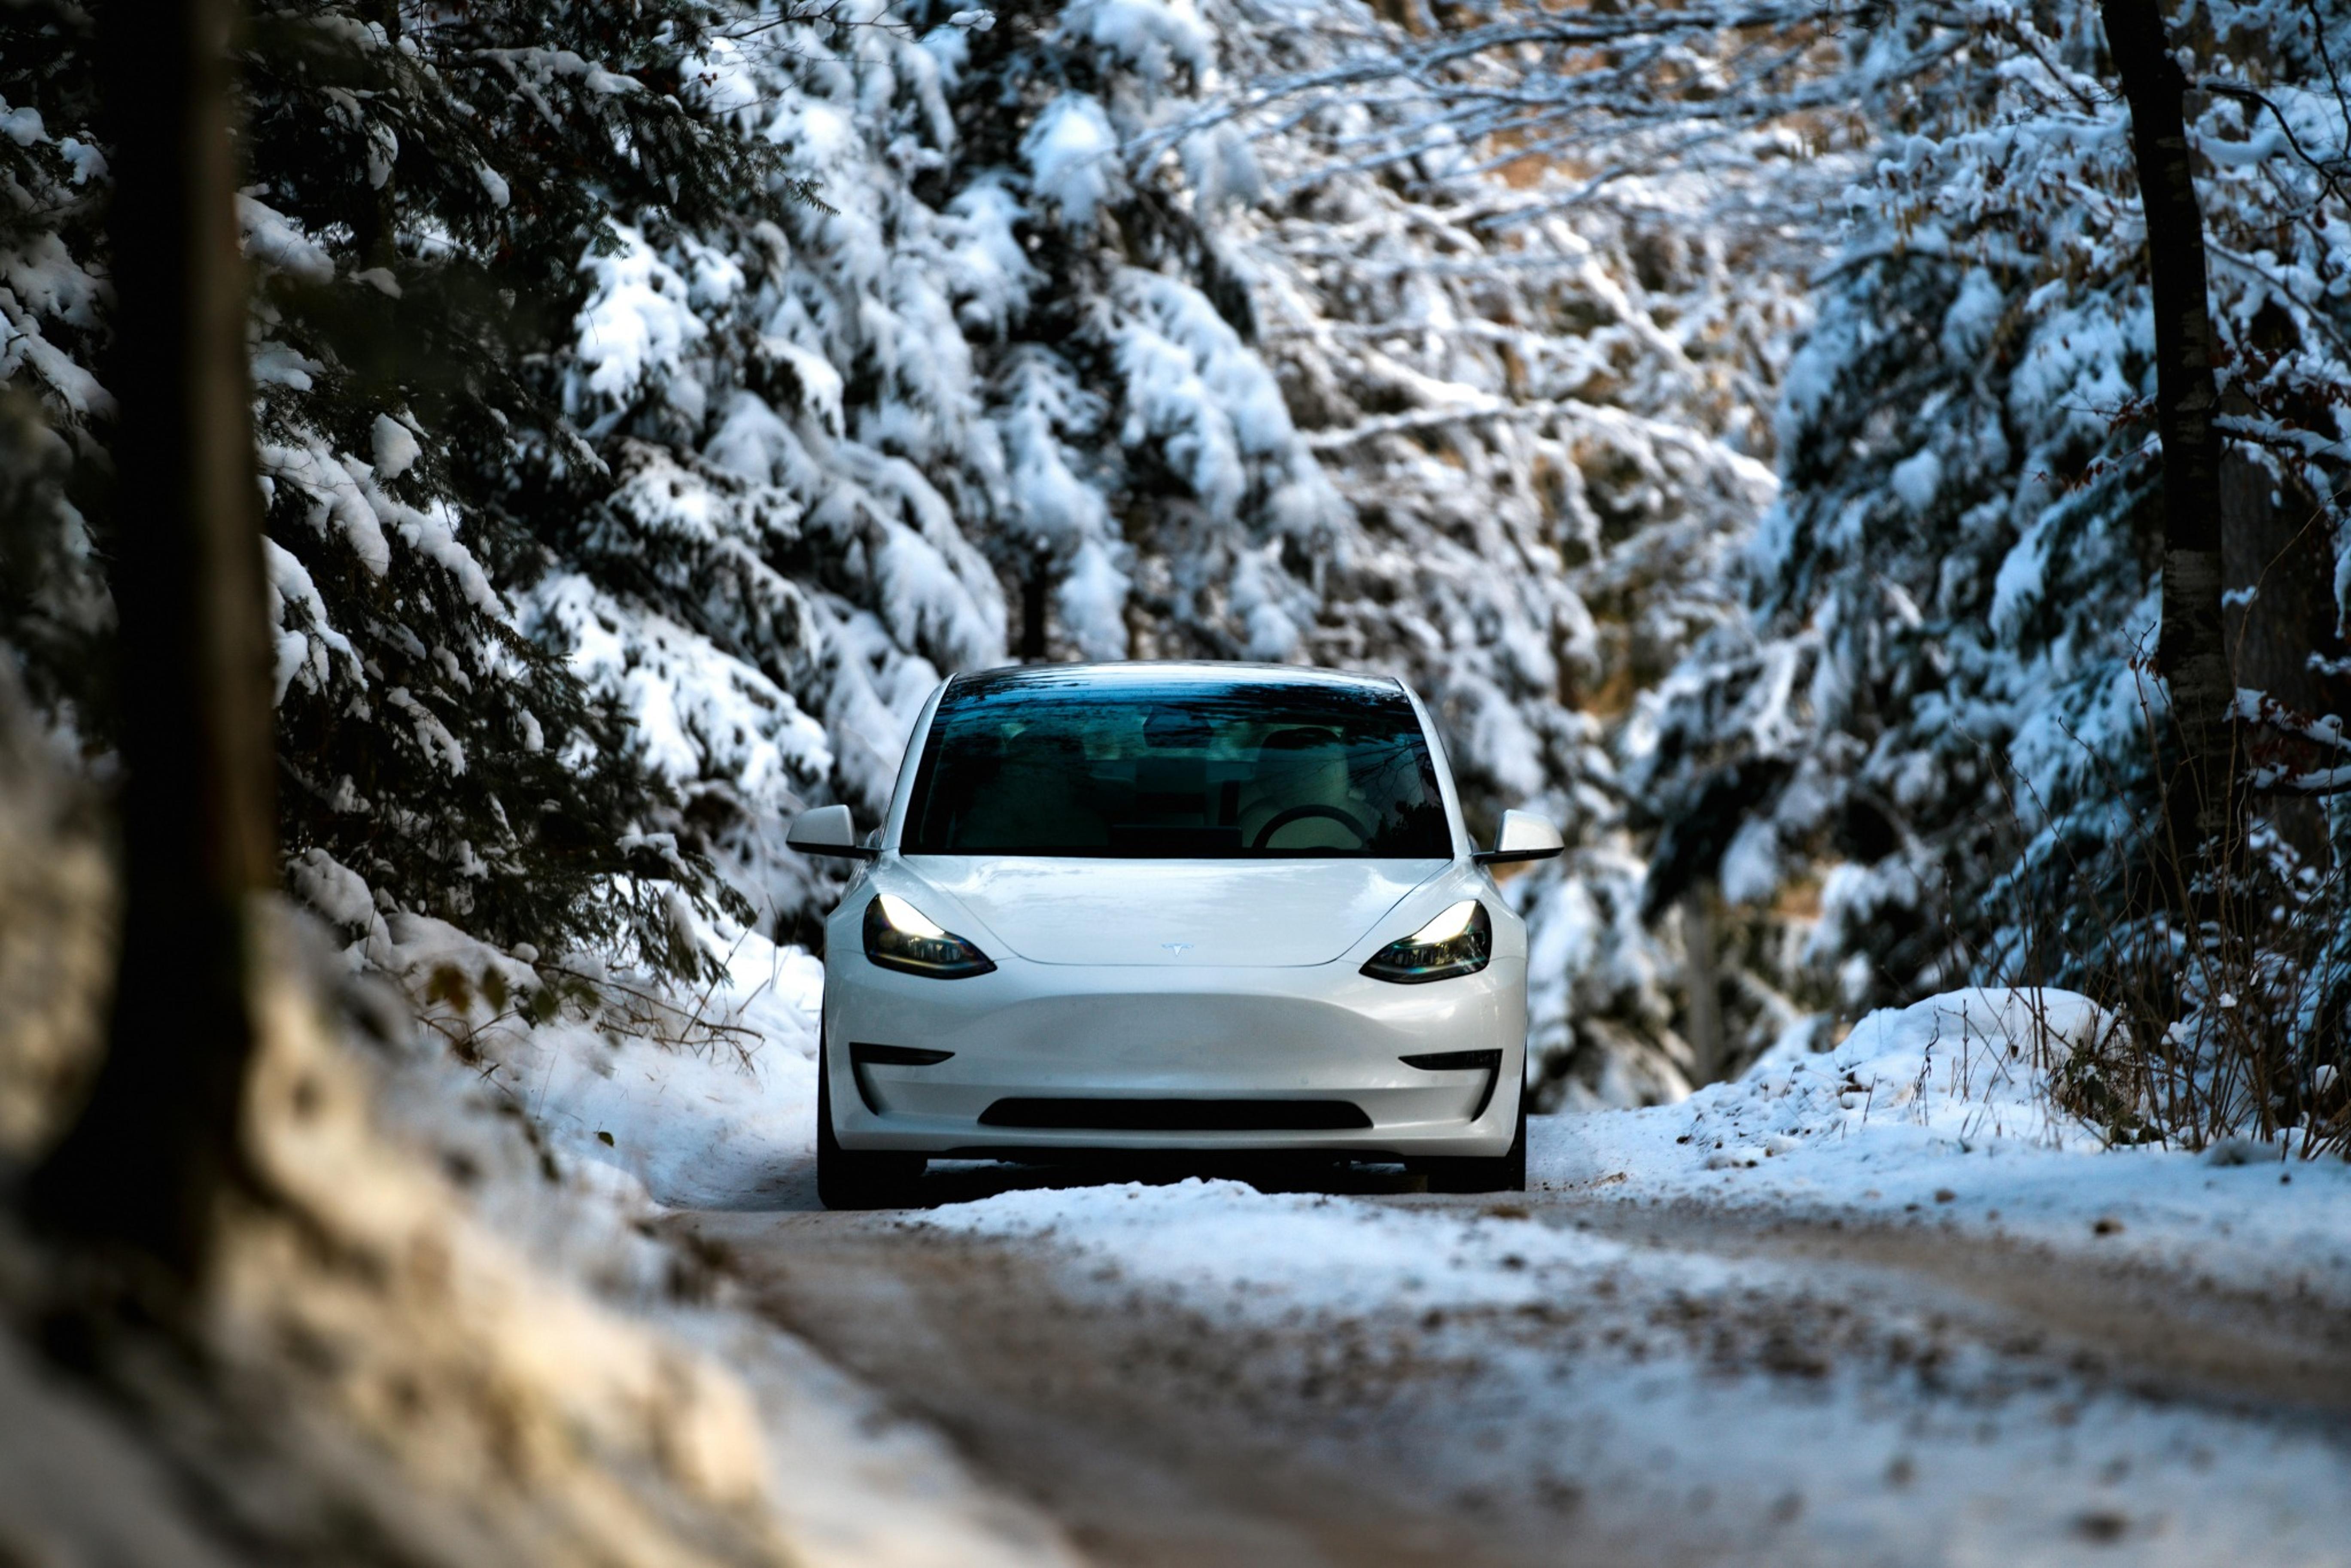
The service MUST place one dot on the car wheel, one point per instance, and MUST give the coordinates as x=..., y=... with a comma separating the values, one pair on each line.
x=857, y=1178
x=1505, y=1172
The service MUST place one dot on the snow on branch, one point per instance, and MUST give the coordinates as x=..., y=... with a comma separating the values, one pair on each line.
x=2325, y=733
x=1535, y=84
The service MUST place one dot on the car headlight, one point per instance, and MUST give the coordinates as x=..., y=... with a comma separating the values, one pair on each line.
x=900, y=937
x=1458, y=942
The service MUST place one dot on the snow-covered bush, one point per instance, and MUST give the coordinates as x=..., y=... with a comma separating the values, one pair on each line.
x=1960, y=1067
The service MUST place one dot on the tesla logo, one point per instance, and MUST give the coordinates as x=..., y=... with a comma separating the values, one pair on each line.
x=1178, y=947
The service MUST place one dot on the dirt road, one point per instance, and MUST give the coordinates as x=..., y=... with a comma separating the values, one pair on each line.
x=1600, y=1379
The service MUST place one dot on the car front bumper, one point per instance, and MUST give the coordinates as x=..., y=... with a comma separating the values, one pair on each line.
x=1239, y=1039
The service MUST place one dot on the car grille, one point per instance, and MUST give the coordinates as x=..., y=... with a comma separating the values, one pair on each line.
x=1178, y=1115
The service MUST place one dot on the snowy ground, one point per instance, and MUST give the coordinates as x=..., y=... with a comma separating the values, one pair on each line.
x=1877, y=1304
x=1926, y=1113
x=623, y=1127
x=1873, y=1305
x=1708, y=1387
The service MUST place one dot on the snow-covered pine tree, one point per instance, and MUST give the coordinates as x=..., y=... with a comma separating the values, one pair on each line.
x=1073, y=356
x=1541, y=395
x=1038, y=376
x=1941, y=713
x=419, y=201
x=453, y=168
x=54, y=612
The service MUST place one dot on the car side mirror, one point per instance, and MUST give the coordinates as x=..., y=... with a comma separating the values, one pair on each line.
x=828, y=830
x=1523, y=837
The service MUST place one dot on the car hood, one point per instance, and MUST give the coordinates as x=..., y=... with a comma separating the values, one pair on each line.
x=1257, y=914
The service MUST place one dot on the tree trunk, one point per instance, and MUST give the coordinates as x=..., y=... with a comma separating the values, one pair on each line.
x=2278, y=565
x=1035, y=588
x=1705, y=984
x=146, y=1165
x=2191, y=652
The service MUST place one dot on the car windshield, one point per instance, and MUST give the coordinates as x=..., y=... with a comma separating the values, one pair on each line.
x=1127, y=769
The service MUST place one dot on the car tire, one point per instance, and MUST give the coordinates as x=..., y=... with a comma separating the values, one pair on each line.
x=857, y=1178
x=1506, y=1172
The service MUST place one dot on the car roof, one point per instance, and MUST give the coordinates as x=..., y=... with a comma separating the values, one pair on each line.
x=1164, y=673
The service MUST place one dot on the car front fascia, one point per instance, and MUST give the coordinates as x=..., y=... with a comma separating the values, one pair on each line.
x=1316, y=1031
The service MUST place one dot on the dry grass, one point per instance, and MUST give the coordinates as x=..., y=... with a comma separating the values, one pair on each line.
x=2231, y=980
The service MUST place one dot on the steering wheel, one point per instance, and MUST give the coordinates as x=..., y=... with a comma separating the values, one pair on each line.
x=1281, y=819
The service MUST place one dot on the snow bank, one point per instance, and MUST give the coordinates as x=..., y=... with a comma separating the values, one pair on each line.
x=1939, y=1110
x=704, y=1102
x=719, y=1125
x=537, y=1162
x=1962, y=1067
x=441, y=1304
x=623, y=1127
x=56, y=933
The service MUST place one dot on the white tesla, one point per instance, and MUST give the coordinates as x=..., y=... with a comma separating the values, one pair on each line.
x=1192, y=907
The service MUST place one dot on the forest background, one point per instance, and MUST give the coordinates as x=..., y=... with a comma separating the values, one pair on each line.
x=1740, y=424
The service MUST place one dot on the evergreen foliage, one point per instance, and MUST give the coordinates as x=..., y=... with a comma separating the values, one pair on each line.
x=1944, y=699
x=656, y=401
x=619, y=490
x=1031, y=372
x=418, y=205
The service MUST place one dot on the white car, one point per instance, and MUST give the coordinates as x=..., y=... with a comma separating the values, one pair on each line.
x=1192, y=907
